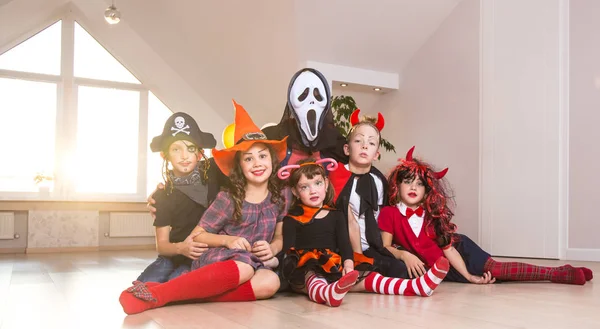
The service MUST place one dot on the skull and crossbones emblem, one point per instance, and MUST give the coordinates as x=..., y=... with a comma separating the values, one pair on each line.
x=179, y=126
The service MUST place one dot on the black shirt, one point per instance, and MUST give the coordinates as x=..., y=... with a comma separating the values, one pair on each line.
x=178, y=211
x=329, y=232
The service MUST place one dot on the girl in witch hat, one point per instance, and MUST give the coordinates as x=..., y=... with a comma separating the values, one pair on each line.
x=419, y=220
x=183, y=201
x=242, y=227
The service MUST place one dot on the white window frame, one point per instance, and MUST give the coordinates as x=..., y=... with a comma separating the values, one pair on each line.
x=66, y=118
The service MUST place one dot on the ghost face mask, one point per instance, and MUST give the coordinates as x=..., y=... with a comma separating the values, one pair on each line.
x=308, y=98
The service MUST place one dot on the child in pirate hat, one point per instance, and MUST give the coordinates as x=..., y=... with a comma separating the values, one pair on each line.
x=183, y=201
x=242, y=228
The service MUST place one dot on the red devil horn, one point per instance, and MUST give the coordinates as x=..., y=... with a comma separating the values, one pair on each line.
x=409, y=154
x=354, y=117
x=380, y=122
x=440, y=174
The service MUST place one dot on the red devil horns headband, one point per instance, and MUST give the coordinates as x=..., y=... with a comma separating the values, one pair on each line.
x=379, y=124
x=436, y=175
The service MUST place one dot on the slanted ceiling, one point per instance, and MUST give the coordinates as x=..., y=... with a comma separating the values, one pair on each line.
x=248, y=50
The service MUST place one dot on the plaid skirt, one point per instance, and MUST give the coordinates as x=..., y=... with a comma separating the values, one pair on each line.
x=219, y=254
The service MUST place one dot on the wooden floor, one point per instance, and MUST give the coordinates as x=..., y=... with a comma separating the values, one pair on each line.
x=80, y=290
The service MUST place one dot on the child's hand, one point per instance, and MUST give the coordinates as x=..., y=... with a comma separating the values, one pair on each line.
x=191, y=249
x=238, y=242
x=151, y=201
x=416, y=267
x=272, y=263
x=485, y=279
x=262, y=250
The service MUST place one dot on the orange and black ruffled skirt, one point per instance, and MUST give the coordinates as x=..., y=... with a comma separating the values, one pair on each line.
x=323, y=262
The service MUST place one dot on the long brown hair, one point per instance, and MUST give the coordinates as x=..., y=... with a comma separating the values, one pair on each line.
x=237, y=188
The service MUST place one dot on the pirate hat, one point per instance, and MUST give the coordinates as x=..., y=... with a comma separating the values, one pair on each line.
x=181, y=126
x=246, y=134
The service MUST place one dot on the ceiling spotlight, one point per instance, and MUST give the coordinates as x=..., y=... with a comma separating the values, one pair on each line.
x=377, y=89
x=112, y=14
x=344, y=84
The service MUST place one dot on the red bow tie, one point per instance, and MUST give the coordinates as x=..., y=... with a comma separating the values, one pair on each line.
x=410, y=212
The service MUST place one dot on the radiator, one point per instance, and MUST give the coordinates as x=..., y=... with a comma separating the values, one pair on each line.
x=7, y=225
x=130, y=224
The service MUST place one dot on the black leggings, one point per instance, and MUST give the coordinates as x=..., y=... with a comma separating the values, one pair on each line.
x=387, y=265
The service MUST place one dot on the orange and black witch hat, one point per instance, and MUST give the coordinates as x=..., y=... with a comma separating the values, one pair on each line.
x=246, y=134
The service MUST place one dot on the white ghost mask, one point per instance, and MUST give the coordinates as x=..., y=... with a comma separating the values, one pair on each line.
x=308, y=98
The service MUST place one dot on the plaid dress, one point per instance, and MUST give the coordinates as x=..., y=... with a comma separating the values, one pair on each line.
x=258, y=223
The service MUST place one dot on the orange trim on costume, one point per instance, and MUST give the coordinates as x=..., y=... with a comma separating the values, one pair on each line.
x=334, y=260
x=362, y=259
x=308, y=214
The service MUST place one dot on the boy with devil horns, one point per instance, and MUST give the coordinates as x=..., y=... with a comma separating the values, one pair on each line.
x=360, y=192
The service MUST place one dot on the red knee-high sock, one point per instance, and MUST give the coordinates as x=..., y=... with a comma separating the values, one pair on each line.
x=514, y=271
x=208, y=281
x=423, y=286
x=331, y=294
x=243, y=293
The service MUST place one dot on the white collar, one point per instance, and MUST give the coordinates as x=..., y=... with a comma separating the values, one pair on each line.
x=402, y=208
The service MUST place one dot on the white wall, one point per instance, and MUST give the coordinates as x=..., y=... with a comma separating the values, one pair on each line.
x=584, y=153
x=437, y=109
x=523, y=107
x=365, y=100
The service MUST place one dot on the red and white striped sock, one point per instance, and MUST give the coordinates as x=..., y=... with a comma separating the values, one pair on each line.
x=331, y=294
x=423, y=286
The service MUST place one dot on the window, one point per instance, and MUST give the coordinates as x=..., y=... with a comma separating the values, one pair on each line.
x=38, y=54
x=94, y=62
x=27, y=132
x=107, y=125
x=88, y=142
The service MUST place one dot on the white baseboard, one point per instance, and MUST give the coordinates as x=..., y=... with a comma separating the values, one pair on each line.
x=590, y=255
